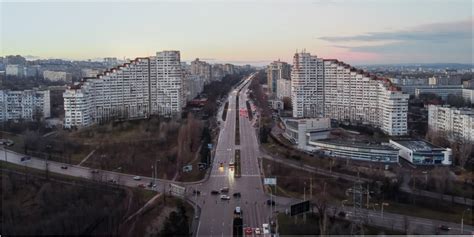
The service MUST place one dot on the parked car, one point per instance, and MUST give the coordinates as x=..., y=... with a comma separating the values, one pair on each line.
x=266, y=228
x=444, y=227
x=225, y=197
x=25, y=158
x=270, y=202
x=257, y=231
x=214, y=192
x=197, y=192
x=237, y=195
x=238, y=211
x=64, y=167
x=137, y=178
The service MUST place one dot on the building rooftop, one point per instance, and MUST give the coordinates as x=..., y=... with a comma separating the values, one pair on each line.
x=417, y=145
x=363, y=145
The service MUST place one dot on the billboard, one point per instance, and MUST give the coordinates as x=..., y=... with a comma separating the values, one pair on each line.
x=177, y=190
x=299, y=208
x=270, y=181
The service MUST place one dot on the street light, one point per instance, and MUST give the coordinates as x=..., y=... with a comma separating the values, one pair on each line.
x=381, y=211
x=462, y=220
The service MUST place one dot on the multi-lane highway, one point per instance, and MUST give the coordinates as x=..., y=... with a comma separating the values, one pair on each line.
x=216, y=214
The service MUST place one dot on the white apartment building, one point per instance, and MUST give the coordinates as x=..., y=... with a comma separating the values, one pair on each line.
x=333, y=89
x=57, y=76
x=144, y=86
x=468, y=95
x=24, y=105
x=276, y=71
x=455, y=123
x=283, y=88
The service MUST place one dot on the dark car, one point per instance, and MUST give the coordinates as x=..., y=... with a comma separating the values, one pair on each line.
x=214, y=192
x=64, y=167
x=342, y=214
x=25, y=158
x=197, y=192
x=237, y=195
x=444, y=227
x=270, y=202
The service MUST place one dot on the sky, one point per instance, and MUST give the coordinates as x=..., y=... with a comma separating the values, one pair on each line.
x=240, y=32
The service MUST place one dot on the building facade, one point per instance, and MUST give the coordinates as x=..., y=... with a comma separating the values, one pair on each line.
x=455, y=123
x=283, y=88
x=419, y=152
x=333, y=89
x=57, y=76
x=24, y=105
x=356, y=151
x=138, y=89
x=276, y=71
x=202, y=69
x=301, y=131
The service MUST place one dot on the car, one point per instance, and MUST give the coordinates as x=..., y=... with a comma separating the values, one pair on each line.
x=270, y=202
x=94, y=171
x=64, y=167
x=150, y=185
x=25, y=158
x=257, y=231
x=248, y=231
x=221, y=165
x=137, y=178
x=266, y=228
x=342, y=214
x=214, y=192
x=238, y=195
x=224, y=190
x=197, y=192
x=238, y=211
x=225, y=197
x=444, y=227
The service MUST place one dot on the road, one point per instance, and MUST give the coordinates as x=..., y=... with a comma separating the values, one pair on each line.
x=80, y=171
x=216, y=214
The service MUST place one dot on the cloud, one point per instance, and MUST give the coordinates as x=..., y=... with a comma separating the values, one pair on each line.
x=438, y=32
x=437, y=41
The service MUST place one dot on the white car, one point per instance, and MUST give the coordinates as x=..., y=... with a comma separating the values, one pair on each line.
x=257, y=231
x=137, y=178
x=225, y=197
x=266, y=229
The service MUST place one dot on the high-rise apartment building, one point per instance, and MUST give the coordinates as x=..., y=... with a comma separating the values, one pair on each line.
x=144, y=86
x=24, y=105
x=454, y=123
x=275, y=71
x=333, y=89
x=283, y=88
x=202, y=69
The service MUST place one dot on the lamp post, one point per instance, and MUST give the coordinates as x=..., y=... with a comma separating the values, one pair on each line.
x=381, y=211
x=462, y=220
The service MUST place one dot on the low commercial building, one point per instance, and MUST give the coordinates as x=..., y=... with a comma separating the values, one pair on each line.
x=300, y=131
x=419, y=152
x=442, y=91
x=356, y=151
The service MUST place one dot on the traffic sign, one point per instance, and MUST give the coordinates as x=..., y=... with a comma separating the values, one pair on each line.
x=299, y=208
x=270, y=181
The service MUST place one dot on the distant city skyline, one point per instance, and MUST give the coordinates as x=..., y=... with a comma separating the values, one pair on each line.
x=243, y=32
